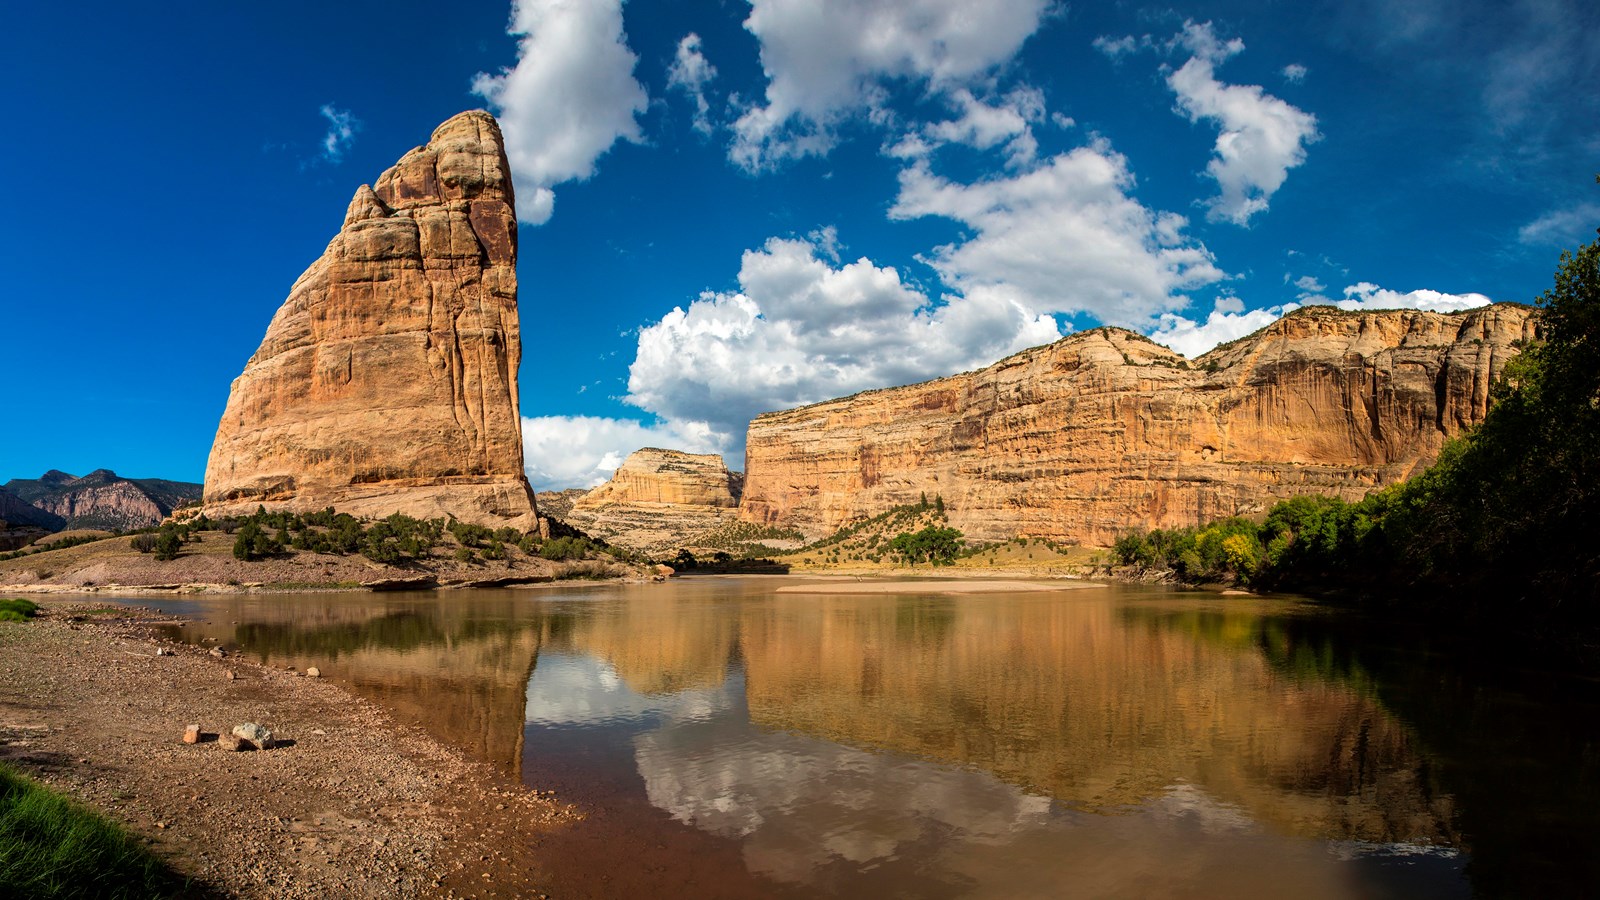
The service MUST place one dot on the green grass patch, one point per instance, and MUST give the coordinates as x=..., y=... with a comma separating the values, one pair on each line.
x=53, y=847
x=17, y=610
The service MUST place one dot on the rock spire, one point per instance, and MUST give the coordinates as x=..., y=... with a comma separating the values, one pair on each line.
x=387, y=381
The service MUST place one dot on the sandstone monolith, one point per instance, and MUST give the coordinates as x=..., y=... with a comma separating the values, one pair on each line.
x=1106, y=431
x=387, y=381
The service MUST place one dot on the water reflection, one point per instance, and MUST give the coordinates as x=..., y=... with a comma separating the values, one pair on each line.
x=1094, y=742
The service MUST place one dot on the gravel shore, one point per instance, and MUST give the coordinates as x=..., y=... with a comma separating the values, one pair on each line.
x=351, y=804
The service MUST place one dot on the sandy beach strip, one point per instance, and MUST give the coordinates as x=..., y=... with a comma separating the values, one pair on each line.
x=934, y=586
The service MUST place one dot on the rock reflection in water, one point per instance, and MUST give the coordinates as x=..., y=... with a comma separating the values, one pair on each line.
x=1094, y=742
x=999, y=745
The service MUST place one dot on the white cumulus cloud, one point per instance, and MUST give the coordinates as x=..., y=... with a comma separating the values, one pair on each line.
x=342, y=128
x=690, y=72
x=1366, y=295
x=1229, y=319
x=827, y=60
x=1064, y=237
x=1294, y=73
x=562, y=452
x=802, y=329
x=570, y=96
x=1008, y=120
x=1261, y=139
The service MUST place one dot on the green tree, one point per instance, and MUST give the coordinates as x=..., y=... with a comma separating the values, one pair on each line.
x=934, y=545
x=168, y=543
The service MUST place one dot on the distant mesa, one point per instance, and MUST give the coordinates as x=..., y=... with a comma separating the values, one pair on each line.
x=1104, y=431
x=387, y=381
x=101, y=499
x=659, y=499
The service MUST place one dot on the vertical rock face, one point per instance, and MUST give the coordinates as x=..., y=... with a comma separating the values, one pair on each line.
x=387, y=381
x=657, y=499
x=1103, y=431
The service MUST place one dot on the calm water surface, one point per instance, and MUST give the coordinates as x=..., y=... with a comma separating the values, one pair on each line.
x=1114, y=741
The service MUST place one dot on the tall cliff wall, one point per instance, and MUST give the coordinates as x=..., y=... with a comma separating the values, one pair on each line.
x=387, y=381
x=1105, y=430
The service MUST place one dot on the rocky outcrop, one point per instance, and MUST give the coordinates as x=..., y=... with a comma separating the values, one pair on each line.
x=557, y=504
x=387, y=381
x=660, y=499
x=1103, y=431
x=100, y=499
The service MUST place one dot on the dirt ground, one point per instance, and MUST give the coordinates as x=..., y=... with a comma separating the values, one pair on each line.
x=353, y=804
x=112, y=564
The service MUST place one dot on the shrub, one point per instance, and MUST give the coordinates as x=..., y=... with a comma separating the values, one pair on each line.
x=168, y=543
x=565, y=548
x=18, y=610
x=252, y=542
x=144, y=543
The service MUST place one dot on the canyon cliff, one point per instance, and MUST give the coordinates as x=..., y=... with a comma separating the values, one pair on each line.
x=387, y=381
x=660, y=499
x=1103, y=431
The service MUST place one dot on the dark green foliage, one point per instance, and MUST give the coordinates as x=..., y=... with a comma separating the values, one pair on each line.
x=469, y=535
x=252, y=542
x=51, y=847
x=685, y=560
x=17, y=610
x=144, y=543
x=932, y=544
x=495, y=550
x=397, y=537
x=566, y=548
x=168, y=543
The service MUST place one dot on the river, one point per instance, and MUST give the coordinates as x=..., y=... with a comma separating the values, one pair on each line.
x=729, y=740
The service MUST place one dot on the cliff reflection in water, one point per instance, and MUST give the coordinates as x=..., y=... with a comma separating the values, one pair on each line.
x=460, y=670
x=1136, y=741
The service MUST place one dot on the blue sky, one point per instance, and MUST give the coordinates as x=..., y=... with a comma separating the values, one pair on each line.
x=734, y=207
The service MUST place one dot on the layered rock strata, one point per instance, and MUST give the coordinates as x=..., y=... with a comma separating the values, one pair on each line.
x=660, y=500
x=387, y=381
x=1103, y=431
